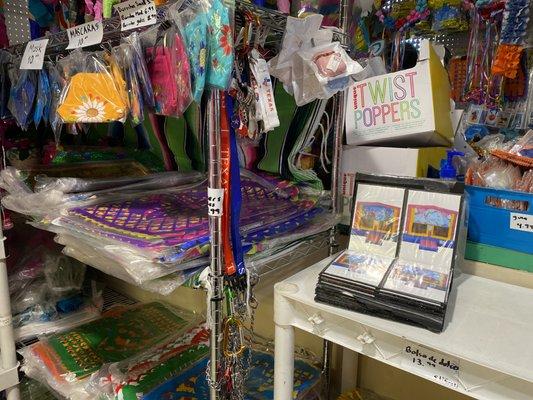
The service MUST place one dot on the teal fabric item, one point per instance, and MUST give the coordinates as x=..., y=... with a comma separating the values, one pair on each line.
x=195, y=33
x=220, y=46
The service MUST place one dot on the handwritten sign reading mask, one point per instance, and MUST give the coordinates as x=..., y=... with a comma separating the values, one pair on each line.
x=136, y=14
x=33, y=57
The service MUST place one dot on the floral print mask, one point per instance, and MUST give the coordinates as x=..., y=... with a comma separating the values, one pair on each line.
x=92, y=97
x=195, y=34
x=220, y=45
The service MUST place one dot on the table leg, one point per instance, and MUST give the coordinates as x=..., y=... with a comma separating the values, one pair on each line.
x=284, y=362
x=349, y=370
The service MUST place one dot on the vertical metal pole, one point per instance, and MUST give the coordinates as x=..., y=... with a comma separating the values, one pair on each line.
x=216, y=274
x=7, y=340
x=337, y=153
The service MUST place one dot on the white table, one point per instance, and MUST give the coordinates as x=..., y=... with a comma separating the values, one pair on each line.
x=489, y=332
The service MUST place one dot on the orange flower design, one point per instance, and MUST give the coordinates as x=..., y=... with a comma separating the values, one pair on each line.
x=225, y=39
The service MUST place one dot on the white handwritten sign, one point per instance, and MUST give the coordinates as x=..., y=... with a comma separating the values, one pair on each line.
x=136, y=13
x=33, y=57
x=521, y=222
x=215, y=201
x=431, y=364
x=84, y=35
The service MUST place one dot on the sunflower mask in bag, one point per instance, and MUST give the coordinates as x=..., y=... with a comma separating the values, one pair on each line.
x=94, y=97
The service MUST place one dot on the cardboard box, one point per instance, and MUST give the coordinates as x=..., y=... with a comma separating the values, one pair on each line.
x=405, y=108
x=383, y=161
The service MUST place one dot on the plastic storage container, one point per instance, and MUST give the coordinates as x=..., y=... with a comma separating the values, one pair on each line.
x=502, y=218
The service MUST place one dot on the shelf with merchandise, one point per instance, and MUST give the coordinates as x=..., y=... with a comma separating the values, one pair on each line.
x=486, y=336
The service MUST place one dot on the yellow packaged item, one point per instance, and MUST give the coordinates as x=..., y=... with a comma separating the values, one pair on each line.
x=93, y=97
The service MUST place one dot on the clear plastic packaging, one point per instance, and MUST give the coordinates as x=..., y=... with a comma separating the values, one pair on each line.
x=63, y=274
x=131, y=265
x=65, y=361
x=22, y=96
x=95, y=89
x=57, y=83
x=220, y=45
x=193, y=23
x=6, y=63
x=141, y=69
x=322, y=71
x=142, y=183
x=494, y=173
x=46, y=293
x=43, y=98
x=168, y=67
x=137, y=376
x=164, y=285
x=28, y=328
x=54, y=195
x=140, y=94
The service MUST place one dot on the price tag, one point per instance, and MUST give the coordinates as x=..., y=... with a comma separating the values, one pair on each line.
x=136, y=13
x=521, y=222
x=33, y=57
x=215, y=200
x=431, y=364
x=85, y=35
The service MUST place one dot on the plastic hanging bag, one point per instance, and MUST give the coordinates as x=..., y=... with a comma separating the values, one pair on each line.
x=22, y=96
x=193, y=21
x=168, y=67
x=43, y=99
x=123, y=56
x=326, y=70
x=220, y=45
x=141, y=69
x=6, y=59
x=57, y=83
x=94, y=92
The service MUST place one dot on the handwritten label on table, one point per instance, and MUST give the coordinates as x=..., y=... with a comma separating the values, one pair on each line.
x=136, y=14
x=33, y=57
x=521, y=222
x=431, y=364
x=84, y=35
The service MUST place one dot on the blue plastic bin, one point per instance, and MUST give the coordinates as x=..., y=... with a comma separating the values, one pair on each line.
x=492, y=212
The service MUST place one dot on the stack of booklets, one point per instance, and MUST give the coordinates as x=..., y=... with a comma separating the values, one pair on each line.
x=403, y=244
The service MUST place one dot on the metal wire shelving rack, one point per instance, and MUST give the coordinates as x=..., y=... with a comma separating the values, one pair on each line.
x=312, y=246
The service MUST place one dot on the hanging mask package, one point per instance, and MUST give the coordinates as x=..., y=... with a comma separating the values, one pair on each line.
x=220, y=45
x=141, y=69
x=95, y=90
x=22, y=96
x=123, y=56
x=193, y=22
x=43, y=99
x=6, y=60
x=57, y=83
x=168, y=67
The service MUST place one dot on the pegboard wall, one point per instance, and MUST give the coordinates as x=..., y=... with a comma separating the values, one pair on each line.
x=456, y=43
x=17, y=21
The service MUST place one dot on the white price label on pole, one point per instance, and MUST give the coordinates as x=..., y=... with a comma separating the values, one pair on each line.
x=136, y=14
x=215, y=202
x=431, y=364
x=85, y=35
x=33, y=57
x=521, y=222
